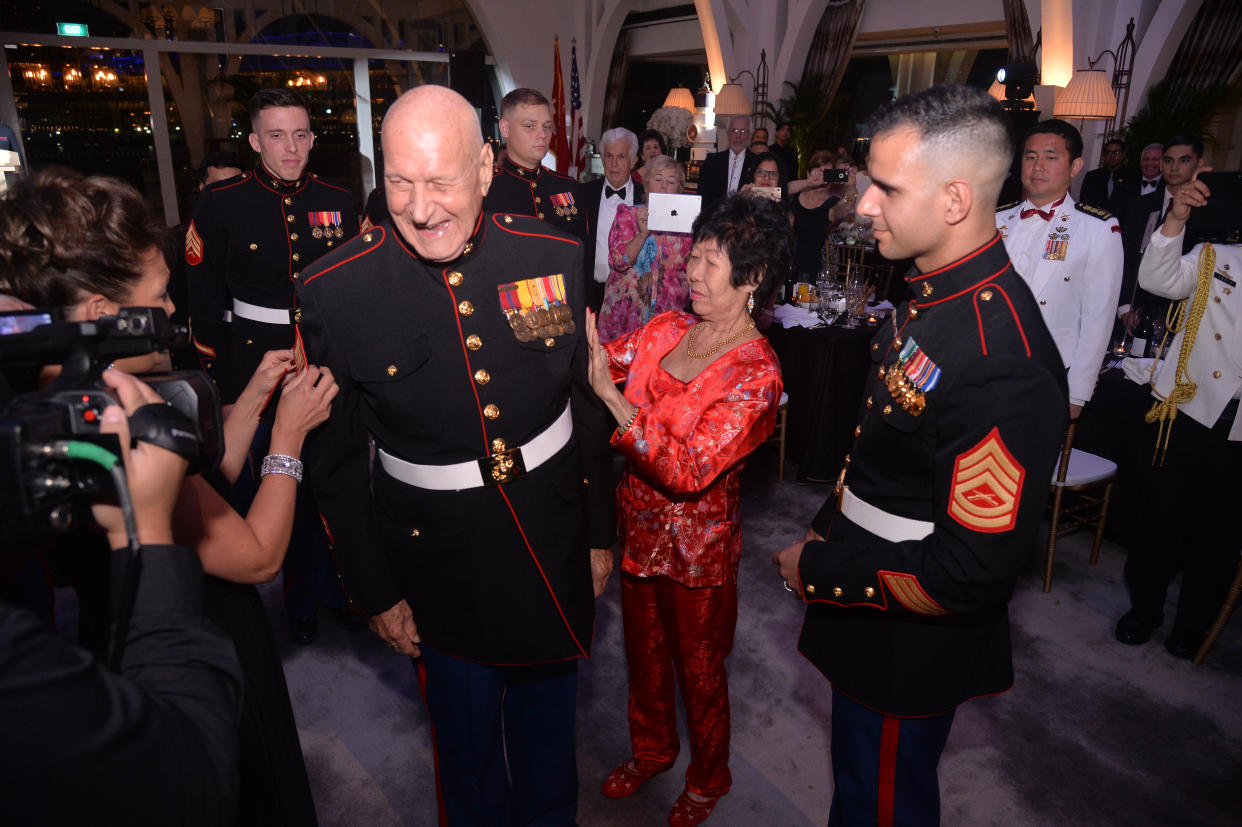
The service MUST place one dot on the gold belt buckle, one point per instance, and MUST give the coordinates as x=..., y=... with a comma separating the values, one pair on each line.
x=502, y=465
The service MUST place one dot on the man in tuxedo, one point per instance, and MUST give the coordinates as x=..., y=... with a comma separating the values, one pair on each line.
x=725, y=171
x=1110, y=187
x=601, y=198
x=1181, y=158
x=1149, y=168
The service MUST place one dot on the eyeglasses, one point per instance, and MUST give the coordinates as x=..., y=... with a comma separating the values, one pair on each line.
x=766, y=173
x=740, y=131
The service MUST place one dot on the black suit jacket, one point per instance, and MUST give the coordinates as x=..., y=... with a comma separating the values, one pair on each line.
x=1095, y=190
x=714, y=175
x=589, y=195
x=1143, y=218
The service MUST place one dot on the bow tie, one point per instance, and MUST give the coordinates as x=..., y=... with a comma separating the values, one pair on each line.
x=1152, y=184
x=1046, y=216
x=609, y=192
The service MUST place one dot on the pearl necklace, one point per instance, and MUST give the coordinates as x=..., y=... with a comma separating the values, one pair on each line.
x=694, y=331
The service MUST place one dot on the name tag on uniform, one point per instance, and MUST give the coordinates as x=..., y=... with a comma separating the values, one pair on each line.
x=1225, y=279
x=537, y=308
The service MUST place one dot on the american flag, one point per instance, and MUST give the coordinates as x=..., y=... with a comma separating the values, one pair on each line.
x=577, y=140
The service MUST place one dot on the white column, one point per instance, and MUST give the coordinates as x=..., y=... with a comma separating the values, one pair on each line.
x=366, y=137
x=159, y=135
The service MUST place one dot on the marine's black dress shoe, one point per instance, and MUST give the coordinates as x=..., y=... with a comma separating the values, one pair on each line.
x=303, y=630
x=349, y=619
x=1133, y=630
x=1183, y=643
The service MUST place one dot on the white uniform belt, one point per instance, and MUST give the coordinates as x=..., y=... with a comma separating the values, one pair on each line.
x=490, y=470
x=880, y=523
x=255, y=313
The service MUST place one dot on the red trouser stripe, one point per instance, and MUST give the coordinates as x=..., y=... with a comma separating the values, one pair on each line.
x=435, y=753
x=890, y=733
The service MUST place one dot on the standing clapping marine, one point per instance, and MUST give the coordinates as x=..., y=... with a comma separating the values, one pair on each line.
x=247, y=245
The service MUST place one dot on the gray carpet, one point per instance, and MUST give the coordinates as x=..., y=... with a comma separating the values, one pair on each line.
x=1093, y=732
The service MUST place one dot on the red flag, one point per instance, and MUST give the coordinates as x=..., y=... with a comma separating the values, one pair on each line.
x=577, y=140
x=560, y=146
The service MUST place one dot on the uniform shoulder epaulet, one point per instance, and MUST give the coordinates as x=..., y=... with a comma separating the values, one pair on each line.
x=528, y=225
x=1009, y=206
x=1103, y=215
x=370, y=240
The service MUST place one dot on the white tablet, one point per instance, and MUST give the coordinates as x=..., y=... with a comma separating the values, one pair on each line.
x=672, y=212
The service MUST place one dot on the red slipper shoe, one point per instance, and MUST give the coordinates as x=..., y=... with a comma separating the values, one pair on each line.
x=688, y=811
x=626, y=779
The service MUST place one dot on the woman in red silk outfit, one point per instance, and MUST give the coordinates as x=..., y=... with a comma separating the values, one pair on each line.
x=701, y=392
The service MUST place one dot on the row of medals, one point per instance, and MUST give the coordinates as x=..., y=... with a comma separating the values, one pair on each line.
x=531, y=323
x=328, y=232
x=909, y=397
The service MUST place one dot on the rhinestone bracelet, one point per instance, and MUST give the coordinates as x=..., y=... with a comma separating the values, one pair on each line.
x=281, y=464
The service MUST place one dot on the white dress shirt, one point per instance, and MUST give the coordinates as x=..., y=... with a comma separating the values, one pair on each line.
x=607, y=212
x=737, y=160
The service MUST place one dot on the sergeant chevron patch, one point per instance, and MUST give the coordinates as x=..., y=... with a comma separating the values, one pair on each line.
x=987, y=486
x=910, y=593
x=193, y=246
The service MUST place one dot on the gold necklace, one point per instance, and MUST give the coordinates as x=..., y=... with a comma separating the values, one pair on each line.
x=694, y=332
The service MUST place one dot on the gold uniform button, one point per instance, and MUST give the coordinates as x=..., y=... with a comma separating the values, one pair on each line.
x=469, y=248
x=875, y=347
x=508, y=219
x=857, y=431
x=914, y=313
x=250, y=341
x=329, y=243
x=297, y=315
x=986, y=296
x=549, y=342
x=927, y=288
x=293, y=236
x=538, y=200
x=837, y=592
x=297, y=257
x=870, y=592
x=586, y=481
x=454, y=278
x=483, y=377
x=465, y=308
x=474, y=342
x=491, y=411
x=810, y=590
x=847, y=460
x=888, y=409
x=367, y=238
x=291, y=218
x=897, y=340
x=1216, y=299
x=392, y=370
x=297, y=273
x=1215, y=374
x=288, y=202
x=414, y=532
x=254, y=246
x=869, y=403
x=881, y=373
x=1218, y=337
x=540, y=217
x=499, y=445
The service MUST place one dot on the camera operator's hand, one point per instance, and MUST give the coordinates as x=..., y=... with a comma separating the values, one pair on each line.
x=154, y=474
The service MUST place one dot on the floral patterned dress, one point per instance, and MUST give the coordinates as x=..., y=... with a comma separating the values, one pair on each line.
x=637, y=292
x=678, y=504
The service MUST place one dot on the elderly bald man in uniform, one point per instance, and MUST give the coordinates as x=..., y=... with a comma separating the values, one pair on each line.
x=456, y=337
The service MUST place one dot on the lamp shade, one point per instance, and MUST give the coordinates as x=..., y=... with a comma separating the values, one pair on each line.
x=680, y=97
x=1089, y=95
x=997, y=90
x=731, y=100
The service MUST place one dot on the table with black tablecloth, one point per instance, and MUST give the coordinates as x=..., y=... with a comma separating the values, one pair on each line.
x=825, y=371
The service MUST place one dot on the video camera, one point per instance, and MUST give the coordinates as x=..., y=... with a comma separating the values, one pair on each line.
x=46, y=489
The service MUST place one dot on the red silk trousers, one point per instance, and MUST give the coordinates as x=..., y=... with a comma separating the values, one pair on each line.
x=679, y=636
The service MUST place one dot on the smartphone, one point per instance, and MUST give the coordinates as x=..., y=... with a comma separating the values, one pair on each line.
x=835, y=176
x=774, y=193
